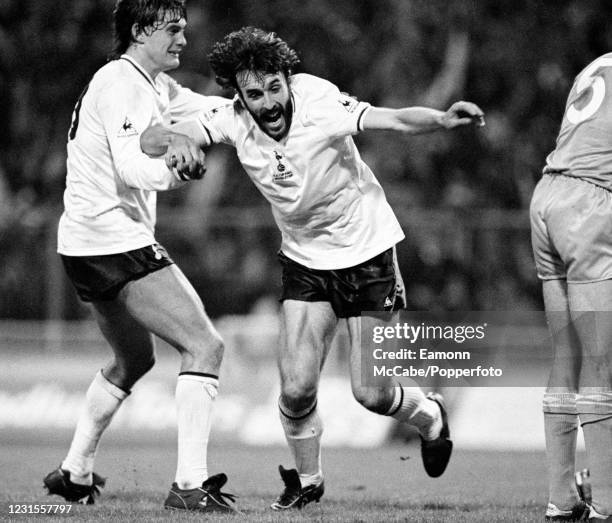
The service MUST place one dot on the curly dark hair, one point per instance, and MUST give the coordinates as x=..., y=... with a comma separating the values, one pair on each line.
x=250, y=49
x=143, y=13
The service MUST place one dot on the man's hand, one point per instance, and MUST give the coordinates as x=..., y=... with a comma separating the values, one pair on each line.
x=186, y=157
x=462, y=113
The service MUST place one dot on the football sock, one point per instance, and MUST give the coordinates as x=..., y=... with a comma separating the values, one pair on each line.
x=303, y=431
x=102, y=400
x=597, y=429
x=411, y=406
x=561, y=431
x=195, y=393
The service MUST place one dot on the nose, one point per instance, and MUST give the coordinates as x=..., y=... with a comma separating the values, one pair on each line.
x=269, y=101
x=181, y=40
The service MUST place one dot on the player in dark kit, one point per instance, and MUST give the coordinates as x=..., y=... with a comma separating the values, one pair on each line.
x=293, y=135
x=571, y=222
x=106, y=240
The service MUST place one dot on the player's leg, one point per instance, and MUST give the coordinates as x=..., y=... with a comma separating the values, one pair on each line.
x=306, y=331
x=427, y=413
x=133, y=350
x=376, y=286
x=406, y=404
x=559, y=403
x=166, y=304
x=554, y=241
x=591, y=305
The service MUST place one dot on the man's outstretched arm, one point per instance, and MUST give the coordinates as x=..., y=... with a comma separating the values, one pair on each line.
x=416, y=120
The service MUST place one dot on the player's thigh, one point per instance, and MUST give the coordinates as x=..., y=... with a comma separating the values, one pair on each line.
x=306, y=331
x=165, y=303
x=131, y=342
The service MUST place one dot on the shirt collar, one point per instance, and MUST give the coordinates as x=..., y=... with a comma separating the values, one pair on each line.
x=140, y=69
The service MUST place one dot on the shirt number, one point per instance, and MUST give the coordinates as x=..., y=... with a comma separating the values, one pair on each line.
x=75, y=115
x=597, y=85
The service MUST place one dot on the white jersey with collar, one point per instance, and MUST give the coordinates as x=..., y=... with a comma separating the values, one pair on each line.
x=110, y=195
x=327, y=203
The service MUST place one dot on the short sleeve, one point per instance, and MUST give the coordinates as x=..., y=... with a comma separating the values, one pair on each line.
x=335, y=113
x=186, y=104
x=218, y=123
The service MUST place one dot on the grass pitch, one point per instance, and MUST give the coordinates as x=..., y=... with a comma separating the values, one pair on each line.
x=362, y=485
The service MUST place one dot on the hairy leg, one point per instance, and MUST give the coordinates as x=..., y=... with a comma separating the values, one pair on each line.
x=306, y=331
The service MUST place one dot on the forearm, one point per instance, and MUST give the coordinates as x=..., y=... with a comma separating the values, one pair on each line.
x=150, y=174
x=415, y=120
x=155, y=140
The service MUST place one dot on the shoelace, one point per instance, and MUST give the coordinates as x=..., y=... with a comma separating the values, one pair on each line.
x=223, y=496
x=288, y=495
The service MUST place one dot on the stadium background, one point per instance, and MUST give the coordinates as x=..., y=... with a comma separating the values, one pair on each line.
x=462, y=198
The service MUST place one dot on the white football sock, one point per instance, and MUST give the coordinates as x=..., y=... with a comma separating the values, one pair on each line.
x=597, y=431
x=102, y=400
x=561, y=431
x=303, y=433
x=195, y=393
x=411, y=406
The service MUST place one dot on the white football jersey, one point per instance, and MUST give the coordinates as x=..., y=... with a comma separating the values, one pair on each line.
x=110, y=198
x=329, y=207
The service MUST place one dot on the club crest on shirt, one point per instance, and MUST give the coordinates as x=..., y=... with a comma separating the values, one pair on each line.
x=127, y=129
x=282, y=172
x=348, y=102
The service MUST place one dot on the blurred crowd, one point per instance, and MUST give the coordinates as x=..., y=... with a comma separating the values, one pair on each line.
x=462, y=197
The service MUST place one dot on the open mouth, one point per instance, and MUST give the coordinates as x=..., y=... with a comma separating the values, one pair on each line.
x=272, y=116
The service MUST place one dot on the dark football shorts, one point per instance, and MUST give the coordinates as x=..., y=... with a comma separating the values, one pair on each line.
x=369, y=286
x=101, y=278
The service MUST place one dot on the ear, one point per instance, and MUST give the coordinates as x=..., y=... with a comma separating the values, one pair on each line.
x=136, y=34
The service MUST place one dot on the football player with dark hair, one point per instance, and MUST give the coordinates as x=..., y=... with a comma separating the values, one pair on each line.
x=107, y=244
x=293, y=135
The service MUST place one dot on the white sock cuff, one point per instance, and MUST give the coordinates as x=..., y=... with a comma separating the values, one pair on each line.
x=109, y=387
x=210, y=382
x=559, y=403
x=592, y=402
x=311, y=479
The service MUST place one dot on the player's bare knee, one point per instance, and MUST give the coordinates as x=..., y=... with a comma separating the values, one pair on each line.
x=371, y=398
x=297, y=396
x=206, y=355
